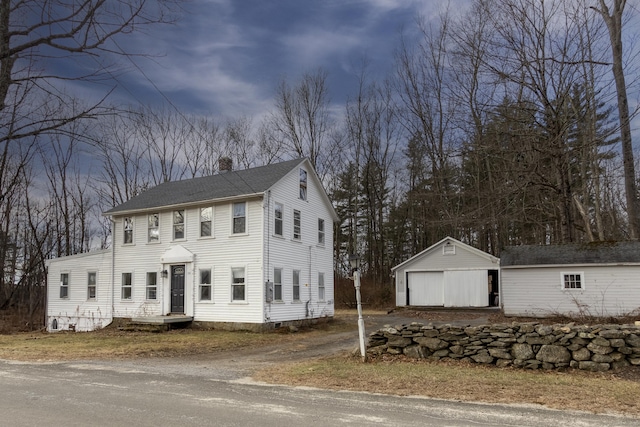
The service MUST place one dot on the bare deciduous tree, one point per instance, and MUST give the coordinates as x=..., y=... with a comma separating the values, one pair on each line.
x=613, y=19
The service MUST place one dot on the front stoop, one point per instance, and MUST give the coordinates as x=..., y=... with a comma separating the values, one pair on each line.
x=156, y=323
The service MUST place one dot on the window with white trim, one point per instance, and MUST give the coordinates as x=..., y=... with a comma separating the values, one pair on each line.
x=127, y=226
x=277, y=284
x=152, y=285
x=278, y=214
x=206, y=222
x=64, y=285
x=572, y=280
x=320, y=231
x=178, y=224
x=153, y=228
x=296, y=285
x=238, y=284
x=239, y=217
x=321, y=288
x=205, y=284
x=91, y=285
x=297, y=224
x=303, y=184
x=126, y=287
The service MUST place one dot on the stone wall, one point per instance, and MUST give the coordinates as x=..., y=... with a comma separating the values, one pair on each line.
x=525, y=345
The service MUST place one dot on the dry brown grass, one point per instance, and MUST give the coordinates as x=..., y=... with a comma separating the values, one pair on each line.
x=600, y=393
x=116, y=344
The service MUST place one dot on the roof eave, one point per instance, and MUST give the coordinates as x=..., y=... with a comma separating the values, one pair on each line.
x=185, y=205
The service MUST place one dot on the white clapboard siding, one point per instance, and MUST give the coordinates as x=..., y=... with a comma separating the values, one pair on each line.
x=607, y=291
x=305, y=255
x=77, y=311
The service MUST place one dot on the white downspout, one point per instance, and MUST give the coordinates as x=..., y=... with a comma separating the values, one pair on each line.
x=113, y=266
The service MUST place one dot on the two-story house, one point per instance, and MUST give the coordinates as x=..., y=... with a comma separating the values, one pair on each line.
x=247, y=248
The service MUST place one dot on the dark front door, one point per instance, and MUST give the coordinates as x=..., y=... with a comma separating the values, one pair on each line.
x=177, y=289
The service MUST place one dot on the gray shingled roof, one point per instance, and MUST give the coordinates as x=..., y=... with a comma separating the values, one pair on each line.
x=223, y=185
x=587, y=253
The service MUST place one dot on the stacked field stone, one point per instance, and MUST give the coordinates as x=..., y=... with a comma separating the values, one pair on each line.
x=526, y=345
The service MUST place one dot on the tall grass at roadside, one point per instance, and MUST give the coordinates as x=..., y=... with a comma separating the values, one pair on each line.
x=593, y=392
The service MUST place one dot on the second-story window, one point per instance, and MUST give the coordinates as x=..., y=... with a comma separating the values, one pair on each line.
x=303, y=184
x=320, y=231
x=278, y=218
x=297, y=224
x=127, y=224
x=239, y=217
x=206, y=218
x=153, y=234
x=178, y=224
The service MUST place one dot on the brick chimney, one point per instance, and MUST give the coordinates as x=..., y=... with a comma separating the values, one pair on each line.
x=225, y=164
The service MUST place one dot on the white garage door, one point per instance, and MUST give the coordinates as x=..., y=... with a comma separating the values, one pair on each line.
x=426, y=288
x=466, y=288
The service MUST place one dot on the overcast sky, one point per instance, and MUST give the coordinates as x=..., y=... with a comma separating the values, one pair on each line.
x=225, y=57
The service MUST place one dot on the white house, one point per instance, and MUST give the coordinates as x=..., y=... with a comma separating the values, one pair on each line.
x=245, y=248
x=595, y=279
x=449, y=274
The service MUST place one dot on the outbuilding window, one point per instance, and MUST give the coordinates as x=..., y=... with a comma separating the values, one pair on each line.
x=572, y=280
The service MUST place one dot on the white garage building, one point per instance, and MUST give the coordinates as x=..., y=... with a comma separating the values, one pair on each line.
x=448, y=274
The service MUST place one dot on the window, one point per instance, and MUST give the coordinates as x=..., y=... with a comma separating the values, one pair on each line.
x=237, y=285
x=205, y=284
x=296, y=285
x=64, y=285
x=320, y=231
x=572, y=280
x=126, y=286
x=321, y=286
x=277, y=284
x=296, y=224
x=128, y=229
x=152, y=285
x=178, y=224
x=153, y=228
x=239, y=217
x=278, y=215
x=303, y=184
x=206, y=215
x=91, y=285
